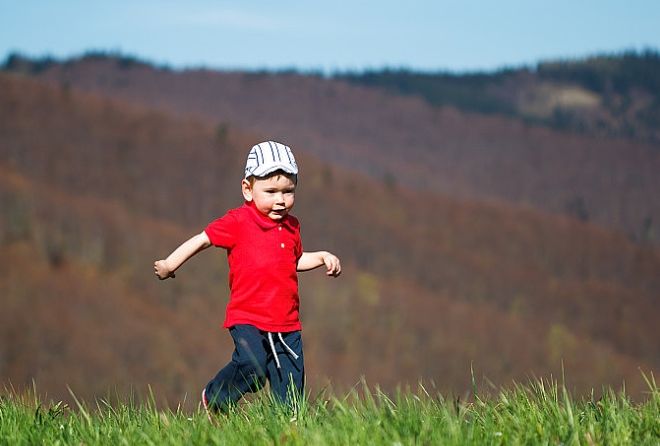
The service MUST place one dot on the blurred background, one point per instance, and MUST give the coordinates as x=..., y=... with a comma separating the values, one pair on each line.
x=488, y=174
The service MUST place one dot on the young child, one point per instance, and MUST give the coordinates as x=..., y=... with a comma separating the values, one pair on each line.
x=265, y=253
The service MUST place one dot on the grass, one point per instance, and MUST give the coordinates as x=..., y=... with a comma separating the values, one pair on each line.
x=540, y=412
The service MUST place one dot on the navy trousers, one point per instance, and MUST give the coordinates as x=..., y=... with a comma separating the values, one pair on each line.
x=253, y=364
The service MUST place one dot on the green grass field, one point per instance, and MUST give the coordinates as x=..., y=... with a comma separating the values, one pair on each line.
x=540, y=412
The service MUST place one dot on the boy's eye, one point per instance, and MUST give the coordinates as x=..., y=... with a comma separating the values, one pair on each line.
x=274, y=191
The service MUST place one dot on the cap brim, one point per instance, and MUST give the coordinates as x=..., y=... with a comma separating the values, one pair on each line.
x=262, y=171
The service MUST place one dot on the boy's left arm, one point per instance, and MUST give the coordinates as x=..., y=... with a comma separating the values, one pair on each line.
x=312, y=260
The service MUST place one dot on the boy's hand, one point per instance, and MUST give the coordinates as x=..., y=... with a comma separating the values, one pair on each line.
x=331, y=262
x=162, y=270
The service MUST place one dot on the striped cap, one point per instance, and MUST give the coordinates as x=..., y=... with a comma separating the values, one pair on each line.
x=269, y=156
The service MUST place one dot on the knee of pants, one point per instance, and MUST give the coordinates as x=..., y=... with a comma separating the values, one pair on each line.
x=252, y=371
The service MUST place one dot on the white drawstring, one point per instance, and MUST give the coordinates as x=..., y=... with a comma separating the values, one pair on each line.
x=289, y=349
x=272, y=347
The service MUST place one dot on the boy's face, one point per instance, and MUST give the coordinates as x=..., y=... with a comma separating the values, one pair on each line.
x=272, y=196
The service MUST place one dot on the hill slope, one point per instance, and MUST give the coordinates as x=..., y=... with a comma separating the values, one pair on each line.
x=611, y=182
x=615, y=95
x=93, y=190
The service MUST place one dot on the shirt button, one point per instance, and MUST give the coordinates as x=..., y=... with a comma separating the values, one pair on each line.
x=282, y=245
x=280, y=228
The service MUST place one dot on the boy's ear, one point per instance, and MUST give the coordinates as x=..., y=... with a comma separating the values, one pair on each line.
x=247, y=190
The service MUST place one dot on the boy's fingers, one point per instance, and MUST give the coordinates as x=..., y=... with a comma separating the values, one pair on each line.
x=334, y=269
x=171, y=276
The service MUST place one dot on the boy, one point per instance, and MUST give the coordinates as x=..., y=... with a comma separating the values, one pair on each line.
x=265, y=253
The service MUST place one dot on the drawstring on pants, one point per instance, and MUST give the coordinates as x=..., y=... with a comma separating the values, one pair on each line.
x=272, y=347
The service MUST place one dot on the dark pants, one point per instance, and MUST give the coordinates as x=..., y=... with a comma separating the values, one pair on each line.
x=253, y=363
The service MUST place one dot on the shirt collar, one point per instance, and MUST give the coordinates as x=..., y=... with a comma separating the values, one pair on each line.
x=264, y=221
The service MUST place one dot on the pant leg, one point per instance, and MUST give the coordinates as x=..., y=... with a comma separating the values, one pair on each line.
x=245, y=373
x=287, y=382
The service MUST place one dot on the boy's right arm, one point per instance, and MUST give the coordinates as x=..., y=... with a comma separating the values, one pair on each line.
x=165, y=268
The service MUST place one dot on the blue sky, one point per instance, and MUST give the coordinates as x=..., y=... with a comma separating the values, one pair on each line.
x=338, y=35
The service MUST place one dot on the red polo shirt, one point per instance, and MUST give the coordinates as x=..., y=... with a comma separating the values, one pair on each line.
x=262, y=255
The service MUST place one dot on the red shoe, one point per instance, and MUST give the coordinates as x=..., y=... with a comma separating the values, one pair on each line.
x=205, y=403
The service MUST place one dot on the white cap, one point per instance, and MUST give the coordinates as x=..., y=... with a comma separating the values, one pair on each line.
x=269, y=156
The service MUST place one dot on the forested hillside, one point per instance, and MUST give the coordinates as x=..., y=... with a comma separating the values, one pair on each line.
x=605, y=96
x=397, y=139
x=96, y=185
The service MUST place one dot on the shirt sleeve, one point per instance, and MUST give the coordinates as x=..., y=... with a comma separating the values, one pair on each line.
x=222, y=232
